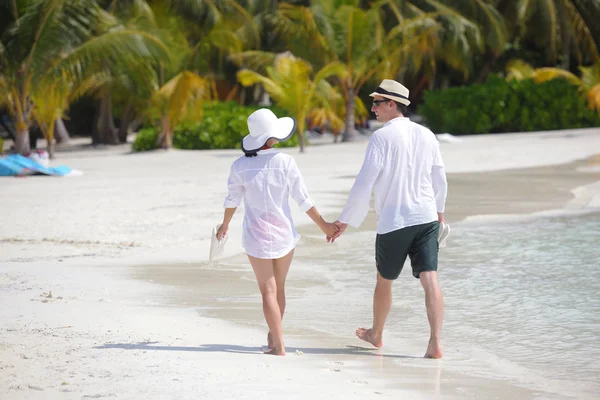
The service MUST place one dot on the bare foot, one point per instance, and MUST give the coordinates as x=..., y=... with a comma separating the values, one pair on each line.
x=275, y=351
x=270, y=341
x=434, y=349
x=368, y=336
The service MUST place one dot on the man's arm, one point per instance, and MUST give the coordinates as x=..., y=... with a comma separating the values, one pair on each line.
x=439, y=183
x=357, y=206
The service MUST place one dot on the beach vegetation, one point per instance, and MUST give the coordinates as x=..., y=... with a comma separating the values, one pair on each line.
x=106, y=68
x=499, y=105
x=294, y=86
x=222, y=127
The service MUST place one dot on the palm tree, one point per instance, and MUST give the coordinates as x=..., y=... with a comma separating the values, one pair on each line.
x=291, y=83
x=345, y=33
x=562, y=29
x=55, y=43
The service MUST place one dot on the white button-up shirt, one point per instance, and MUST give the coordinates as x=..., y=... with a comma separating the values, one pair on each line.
x=404, y=166
x=265, y=182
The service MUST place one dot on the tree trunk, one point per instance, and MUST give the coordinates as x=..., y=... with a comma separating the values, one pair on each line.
x=417, y=91
x=134, y=125
x=106, y=125
x=22, y=145
x=350, y=132
x=565, y=35
x=60, y=131
x=165, y=139
x=301, y=128
x=96, y=139
x=50, y=148
x=487, y=68
x=124, y=123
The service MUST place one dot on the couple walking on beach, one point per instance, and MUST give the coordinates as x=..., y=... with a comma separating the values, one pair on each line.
x=404, y=167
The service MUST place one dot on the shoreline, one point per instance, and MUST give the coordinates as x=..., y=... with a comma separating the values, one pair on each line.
x=233, y=275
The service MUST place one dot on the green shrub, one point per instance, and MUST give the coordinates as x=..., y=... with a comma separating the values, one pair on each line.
x=507, y=106
x=222, y=127
x=145, y=140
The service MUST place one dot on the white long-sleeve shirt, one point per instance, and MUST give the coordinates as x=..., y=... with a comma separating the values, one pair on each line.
x=404, y=166
x=265, y=183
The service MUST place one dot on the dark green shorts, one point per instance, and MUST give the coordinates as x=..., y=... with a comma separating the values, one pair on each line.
x=419, y=242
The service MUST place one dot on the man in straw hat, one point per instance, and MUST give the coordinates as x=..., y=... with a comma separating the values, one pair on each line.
x=404, y=167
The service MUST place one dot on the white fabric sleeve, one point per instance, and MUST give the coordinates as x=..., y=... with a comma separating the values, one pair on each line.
x=298, y=190
x=437, y=155
x=357, y=206
x=440, y=187
x=438, y=178
x=235, y=190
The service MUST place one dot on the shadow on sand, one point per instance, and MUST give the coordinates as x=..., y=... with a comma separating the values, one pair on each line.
x=230, y=348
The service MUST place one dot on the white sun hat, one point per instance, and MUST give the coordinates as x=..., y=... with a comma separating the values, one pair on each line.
x=443, y=232
x=216, y=245
x=392, y=90
x=264, y=125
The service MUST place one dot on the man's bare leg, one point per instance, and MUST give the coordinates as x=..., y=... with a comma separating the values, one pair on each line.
x=282, y=267
x=265, y=277
x=382, y=303
x=434, y=302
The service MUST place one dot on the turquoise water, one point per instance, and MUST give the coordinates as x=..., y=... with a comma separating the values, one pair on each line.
x=522, y=301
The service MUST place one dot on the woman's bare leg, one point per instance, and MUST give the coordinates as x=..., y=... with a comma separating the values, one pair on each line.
x=265, y=277
x=282, y=267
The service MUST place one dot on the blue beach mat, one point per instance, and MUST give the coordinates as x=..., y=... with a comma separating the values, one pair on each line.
x=18, y=165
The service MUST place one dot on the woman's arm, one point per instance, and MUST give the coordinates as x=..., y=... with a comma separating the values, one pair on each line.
x=227, y=215
x=328, y=228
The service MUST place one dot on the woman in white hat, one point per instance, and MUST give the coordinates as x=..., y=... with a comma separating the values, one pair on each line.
x=265, y=178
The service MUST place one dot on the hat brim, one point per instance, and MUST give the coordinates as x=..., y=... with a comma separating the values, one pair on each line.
x=282, y=130
x=394, y=98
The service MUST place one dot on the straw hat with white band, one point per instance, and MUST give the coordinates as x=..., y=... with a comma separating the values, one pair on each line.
x=264, y=125
x=392, y=90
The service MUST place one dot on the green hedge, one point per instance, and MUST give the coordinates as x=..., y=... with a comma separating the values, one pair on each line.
x=507, y=106
x=222, y=127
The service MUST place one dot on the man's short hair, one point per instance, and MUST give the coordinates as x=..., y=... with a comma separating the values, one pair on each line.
x=402, y=108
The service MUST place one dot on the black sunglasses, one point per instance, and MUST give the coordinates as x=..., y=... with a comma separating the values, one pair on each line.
x=378, y=102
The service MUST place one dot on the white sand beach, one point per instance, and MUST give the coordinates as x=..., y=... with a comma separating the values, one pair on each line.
x=84, y=315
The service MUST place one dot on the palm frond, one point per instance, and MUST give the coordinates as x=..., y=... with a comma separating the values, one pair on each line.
x=254, y=59
x=335, y=68
x=249, y=78
x=590, y=76
x=489, y=20
x=110, y=48
x=593, y=98
x=182, y=94
x=519, y=69
x=226, y=40
x=547, y=74
x=582, y=34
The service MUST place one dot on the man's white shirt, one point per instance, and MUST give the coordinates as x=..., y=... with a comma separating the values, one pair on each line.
x=404, y=167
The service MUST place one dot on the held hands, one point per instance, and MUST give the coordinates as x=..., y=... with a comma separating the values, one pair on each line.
x=329, y=229
x=222, y=231
x=341, y=228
